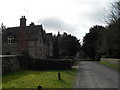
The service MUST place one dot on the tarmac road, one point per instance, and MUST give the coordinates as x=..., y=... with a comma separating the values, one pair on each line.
x=95, y=75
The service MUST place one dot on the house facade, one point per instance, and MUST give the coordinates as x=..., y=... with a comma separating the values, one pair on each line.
x=32, y=38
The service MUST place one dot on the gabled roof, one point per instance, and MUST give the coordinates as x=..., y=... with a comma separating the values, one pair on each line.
x=48, y=37
x=10, y=32
x=32, y=32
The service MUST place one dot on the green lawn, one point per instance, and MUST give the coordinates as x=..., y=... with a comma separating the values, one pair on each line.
x=116, y=66
x=32, y=79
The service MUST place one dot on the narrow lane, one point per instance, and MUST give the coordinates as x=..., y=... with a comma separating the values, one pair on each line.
x=95, y=75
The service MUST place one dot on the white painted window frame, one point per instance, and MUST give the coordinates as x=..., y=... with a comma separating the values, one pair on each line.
x=10, y=39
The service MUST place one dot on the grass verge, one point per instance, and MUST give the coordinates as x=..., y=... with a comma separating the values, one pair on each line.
x=46, y=79
x=116, y=66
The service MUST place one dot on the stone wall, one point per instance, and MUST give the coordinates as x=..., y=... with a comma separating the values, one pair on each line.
x=111, y=60
x=9, y=63
x=9, y=48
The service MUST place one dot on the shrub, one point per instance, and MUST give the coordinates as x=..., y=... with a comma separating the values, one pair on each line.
x=44, y=64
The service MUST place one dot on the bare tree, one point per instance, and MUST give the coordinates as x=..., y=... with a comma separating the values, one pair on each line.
x=114, y=13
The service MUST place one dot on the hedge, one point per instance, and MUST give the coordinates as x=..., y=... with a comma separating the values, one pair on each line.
x=44, y=64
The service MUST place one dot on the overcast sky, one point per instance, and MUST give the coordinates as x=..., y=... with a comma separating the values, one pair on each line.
x=72, y=16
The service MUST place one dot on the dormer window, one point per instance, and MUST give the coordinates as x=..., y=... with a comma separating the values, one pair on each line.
x=10, y=39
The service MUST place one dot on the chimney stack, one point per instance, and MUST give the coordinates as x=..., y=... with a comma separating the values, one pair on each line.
x=23, y=21
x=22, y=43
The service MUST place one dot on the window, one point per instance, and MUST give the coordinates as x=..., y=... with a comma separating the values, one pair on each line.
x=10, y=40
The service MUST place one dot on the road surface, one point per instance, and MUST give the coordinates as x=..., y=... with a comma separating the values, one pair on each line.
x=94, y=75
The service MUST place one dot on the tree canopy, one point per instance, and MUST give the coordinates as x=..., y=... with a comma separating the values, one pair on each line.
x=65, y=45
x=104, y=41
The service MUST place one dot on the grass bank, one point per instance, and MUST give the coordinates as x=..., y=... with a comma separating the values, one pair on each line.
x=46, y=79
x=116, y=66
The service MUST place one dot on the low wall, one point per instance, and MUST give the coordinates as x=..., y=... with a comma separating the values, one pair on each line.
x=9, y=63
x=111, y=60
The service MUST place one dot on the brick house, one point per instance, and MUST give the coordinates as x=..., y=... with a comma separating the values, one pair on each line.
x=32, y=38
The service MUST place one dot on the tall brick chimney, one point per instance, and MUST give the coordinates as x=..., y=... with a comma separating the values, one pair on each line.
x=22, y=42
x=23, y=21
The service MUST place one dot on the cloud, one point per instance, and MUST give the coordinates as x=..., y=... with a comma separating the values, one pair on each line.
x=52, y=22
x=93, y=12
x=56, y=24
